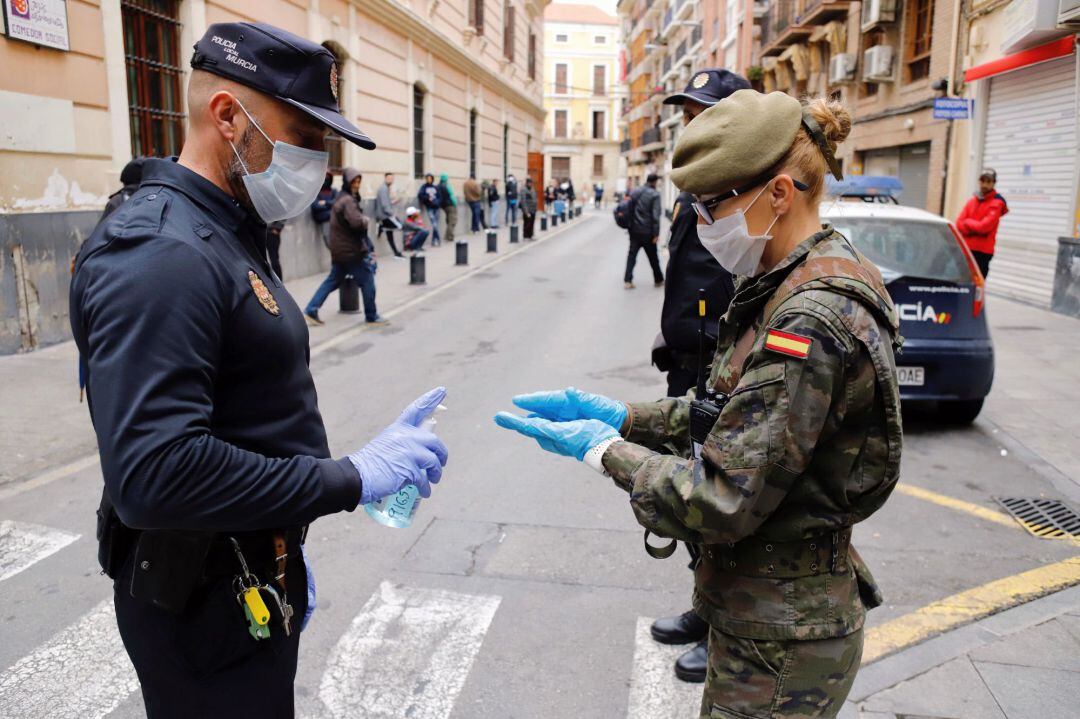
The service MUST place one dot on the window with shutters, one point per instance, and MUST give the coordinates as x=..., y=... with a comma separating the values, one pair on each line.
x=560, y=123
x=154, y=76
x=506, y=149
x=599, y=80
x=508, y=32
x=560, y=168
x=476, y=15
x=532, y=56
x=562, y=38
x=600, y=40
x=418, y=131
x=598, y=165
x=599, y=125
x=920, y=27
x=561, y=84
x=472, y=143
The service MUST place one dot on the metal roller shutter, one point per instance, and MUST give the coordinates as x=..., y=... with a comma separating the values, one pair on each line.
x=1031, y=142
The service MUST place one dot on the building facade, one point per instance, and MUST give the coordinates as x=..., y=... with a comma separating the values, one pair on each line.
x=664, y=43
x=582, y=96
x=449, y=86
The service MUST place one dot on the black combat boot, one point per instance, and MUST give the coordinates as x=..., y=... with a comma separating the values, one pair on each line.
x=686, y=628
x=690, y=667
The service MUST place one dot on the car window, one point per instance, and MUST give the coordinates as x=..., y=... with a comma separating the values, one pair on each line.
x=907, y=248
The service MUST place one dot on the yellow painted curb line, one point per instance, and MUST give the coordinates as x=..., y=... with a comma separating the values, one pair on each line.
x=968, y=606
x=957, y=504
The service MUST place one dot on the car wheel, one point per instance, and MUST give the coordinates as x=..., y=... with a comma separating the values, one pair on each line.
x=960, y=412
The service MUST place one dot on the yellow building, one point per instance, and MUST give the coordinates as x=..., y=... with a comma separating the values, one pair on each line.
x=582, y=96
x=449, y=86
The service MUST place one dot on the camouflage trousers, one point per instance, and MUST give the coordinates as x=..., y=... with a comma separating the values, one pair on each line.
x=769, y=679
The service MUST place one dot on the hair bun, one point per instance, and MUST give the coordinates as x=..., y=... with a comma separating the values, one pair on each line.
x=834, y=118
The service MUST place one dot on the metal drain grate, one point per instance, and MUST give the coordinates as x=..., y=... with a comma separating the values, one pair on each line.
x=1046, y=518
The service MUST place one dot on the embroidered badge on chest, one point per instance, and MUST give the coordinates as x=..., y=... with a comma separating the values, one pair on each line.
x=788, y=344
x=262, y=294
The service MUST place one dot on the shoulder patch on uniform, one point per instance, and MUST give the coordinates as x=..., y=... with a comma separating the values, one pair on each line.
x=788, y=344
x=262, y=294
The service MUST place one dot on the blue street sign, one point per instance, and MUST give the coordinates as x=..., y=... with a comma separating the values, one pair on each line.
x=952, y=108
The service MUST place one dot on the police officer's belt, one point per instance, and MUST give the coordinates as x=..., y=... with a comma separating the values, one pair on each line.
x=756, y=557
x=257, y=547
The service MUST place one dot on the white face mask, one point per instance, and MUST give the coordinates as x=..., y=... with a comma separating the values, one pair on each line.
x=289, y=184
x=729, y=241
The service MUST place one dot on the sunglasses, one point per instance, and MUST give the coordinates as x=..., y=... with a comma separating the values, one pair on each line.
x=704, y=208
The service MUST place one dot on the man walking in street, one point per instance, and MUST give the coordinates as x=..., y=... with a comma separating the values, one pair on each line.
x=644, y=230
x=213, y=451
x=386, y=215
x=978, y=221
x=691, y=267
x=351, y=252
x=428, y=196
x=474, y=198
x=448, y=202
x=130, y=177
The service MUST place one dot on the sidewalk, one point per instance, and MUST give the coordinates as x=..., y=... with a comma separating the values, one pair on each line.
x=1023, y=663
x=43, y=427
x=1036, y=390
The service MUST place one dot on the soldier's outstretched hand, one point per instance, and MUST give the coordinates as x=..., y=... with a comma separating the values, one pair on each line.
x=570, y=403
x=570, y=439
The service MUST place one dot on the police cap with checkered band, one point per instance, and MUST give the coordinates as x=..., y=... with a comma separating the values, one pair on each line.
x=285, y=66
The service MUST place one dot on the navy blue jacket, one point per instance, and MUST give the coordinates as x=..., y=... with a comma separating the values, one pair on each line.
x=199, y=391
x=690, y=267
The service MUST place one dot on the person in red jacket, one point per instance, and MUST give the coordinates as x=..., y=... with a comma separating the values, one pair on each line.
x=978, y=221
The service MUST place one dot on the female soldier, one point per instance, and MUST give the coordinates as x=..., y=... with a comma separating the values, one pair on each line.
x=805, y=431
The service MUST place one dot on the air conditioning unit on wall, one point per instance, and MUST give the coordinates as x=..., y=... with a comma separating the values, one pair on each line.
x=878, y=64
x=841, y=68
x=876, y=12
x=1069, y=14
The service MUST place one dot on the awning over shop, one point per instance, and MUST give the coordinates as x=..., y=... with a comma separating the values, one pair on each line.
x=1042, y=53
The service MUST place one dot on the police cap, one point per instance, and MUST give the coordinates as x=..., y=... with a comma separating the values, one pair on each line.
x=734, y=143
x=288, y=67
x=709, y=87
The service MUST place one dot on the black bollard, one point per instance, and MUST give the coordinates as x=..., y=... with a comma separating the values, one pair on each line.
x=349, y=296
x=492, y=241
x=417, y=270
x=554, y=220
x=513, y=234
x=563, y=218
x=543, y=223
x=461, y=253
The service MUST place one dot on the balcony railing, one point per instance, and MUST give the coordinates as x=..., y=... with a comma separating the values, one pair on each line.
x=695, y=35
x=624, y=146
x=782, y=25
x=650, y=136
x=667, y=65
x=680, y=51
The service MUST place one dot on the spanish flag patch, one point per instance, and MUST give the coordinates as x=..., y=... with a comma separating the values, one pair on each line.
x=788, y=344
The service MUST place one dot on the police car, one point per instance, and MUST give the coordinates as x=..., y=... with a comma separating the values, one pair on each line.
x=938, y=292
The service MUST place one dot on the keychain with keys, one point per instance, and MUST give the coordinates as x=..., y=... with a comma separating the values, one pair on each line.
x=280, y=608
x=249, y=595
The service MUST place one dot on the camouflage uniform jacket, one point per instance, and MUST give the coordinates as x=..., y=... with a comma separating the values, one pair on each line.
x=805, y=447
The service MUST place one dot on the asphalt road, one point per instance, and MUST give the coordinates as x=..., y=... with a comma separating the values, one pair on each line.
x=522, y=589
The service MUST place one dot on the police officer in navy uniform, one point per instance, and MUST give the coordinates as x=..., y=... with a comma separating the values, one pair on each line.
x=213, y=451
x=690, y=268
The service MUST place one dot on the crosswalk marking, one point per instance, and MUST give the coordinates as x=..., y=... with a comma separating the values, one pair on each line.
x=83, y=672
x=406, y=654
x=655, y=691
x=22, y=545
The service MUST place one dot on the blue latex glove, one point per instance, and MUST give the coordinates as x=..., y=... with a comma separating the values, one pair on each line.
x=567, y=404
x=311, y=603
x=570, y=439
x=403, y=453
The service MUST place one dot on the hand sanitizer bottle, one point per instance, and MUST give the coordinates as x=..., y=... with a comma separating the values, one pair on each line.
x=398, y=510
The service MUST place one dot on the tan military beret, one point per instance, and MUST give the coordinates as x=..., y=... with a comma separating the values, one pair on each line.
x=735, y=141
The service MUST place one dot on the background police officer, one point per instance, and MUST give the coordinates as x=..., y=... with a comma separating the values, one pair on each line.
x=212, y=447
x=690, y=268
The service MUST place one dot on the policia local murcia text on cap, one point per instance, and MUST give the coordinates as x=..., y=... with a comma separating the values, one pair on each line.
x=213, y=449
